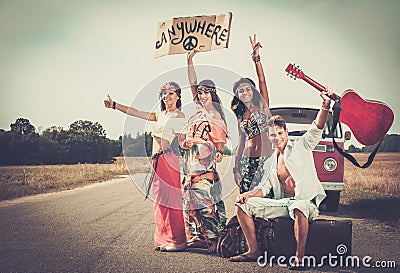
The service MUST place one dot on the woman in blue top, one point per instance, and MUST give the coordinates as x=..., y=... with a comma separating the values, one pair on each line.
x=251, y=108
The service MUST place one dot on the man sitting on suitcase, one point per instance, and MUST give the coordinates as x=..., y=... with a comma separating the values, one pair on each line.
x=290, y=186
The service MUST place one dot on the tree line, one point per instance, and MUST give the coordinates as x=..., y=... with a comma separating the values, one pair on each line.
x=83, y=142
x=389, y=144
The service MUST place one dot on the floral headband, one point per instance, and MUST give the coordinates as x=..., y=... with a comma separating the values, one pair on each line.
x=167, y=87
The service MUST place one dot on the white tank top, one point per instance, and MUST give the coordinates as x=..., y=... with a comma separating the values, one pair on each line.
x=168, y=126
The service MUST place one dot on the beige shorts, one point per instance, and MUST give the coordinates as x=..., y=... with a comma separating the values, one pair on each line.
x=268, y=208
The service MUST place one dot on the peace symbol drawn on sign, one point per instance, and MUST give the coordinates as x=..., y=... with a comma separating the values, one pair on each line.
x=190, y=43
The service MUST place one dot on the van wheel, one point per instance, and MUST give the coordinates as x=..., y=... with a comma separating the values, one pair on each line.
x=331, y=202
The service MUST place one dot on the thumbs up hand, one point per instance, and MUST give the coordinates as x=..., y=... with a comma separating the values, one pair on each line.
x=108, y=102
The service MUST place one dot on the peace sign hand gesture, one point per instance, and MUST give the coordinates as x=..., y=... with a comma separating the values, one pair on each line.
x=254, y=45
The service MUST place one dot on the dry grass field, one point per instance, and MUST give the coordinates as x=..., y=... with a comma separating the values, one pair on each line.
x=373, y=192
x=17, y=181
x=381, y=177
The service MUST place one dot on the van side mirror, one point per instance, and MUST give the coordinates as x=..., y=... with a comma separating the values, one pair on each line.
x=347, y=135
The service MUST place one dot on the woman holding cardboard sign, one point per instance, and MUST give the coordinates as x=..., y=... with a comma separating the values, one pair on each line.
x=204, y=210
x=251, y=108
x=164, y=186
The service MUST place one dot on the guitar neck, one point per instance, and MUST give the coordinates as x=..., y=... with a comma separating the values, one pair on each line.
x=313, y=83
x=318, y=86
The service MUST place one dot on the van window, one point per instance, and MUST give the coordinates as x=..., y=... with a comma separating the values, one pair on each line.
x=299, y=119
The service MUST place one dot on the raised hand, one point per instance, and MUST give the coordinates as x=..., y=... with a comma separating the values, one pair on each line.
x=192, y=53
x=108, y=102
x=326, y=96
x=254, y=45
x=322, y=115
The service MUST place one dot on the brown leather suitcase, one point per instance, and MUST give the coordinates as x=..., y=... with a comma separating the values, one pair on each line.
x=325, y=237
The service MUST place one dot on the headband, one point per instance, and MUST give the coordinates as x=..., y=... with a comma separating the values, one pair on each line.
x=209, y=89
x=168, y=87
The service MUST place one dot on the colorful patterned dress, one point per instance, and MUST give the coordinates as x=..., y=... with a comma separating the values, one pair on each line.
x=204, y=210
x=251, y=168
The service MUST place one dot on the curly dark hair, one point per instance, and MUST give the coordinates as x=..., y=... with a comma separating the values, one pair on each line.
x=237, y=106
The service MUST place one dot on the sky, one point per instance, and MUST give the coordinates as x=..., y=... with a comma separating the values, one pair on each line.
x=60, y=59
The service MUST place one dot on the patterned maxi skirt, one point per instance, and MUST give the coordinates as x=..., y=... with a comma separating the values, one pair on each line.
x=204, y=210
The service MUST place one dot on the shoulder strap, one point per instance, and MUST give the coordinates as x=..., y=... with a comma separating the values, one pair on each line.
x=337, y=107
x=353, y=160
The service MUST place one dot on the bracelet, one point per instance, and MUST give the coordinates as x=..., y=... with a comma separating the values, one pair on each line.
x=113, y=105
x=256, y=59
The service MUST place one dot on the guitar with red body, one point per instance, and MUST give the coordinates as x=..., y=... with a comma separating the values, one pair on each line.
x=369, y=120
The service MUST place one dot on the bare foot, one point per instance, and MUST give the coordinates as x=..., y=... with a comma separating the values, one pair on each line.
x=298, y=265
x=245, y=257
x=196, y=243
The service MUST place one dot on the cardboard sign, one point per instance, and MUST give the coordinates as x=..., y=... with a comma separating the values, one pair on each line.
x=183, y=34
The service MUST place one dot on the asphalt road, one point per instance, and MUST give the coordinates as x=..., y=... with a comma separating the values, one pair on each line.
x=108, y=227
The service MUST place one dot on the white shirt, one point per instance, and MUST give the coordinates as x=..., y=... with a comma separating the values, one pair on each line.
x=168, y=126
x=299, y=161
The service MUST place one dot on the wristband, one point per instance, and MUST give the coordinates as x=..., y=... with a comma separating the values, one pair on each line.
x=113, y=105
x=256, y=59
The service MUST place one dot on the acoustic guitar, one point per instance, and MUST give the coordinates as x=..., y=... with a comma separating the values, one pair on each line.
x=369, y=120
